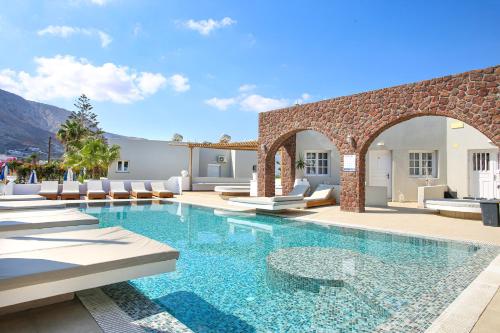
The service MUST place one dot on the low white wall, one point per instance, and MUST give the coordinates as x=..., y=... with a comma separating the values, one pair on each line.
x=430, y=192
x=376, y=196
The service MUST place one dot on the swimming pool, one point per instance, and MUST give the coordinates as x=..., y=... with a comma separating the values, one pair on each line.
x=258, y=273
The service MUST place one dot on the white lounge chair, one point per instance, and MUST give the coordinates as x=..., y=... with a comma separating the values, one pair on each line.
x=160, y=191
x=117, y=190
x=299, y=189
x=49, y=189
x=139, y=191
x=43, y=221
x=94, y=190
x=70, y=190
x=322, y=196
x=269, y=204
x=48, y=265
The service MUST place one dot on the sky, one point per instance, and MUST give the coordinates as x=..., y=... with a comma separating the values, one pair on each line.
x=206, y=68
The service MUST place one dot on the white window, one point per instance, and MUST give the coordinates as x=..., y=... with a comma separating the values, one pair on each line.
x=422, y=164
x=316, y=163
x=122, y=166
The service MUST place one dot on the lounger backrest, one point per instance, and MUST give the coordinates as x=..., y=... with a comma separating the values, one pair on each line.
x=50, y=186
x=71, y=186
x=94, y=185
x=117, y=187
x=299, y=190
x=138, y=187
x=158, y=186
x=322, y=191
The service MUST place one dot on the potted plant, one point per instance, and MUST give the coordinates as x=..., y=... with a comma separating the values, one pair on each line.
x=300, y=165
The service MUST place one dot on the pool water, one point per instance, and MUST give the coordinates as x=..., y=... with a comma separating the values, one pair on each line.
x=257, y=273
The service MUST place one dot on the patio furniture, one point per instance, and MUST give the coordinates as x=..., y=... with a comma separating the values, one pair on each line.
x=269, y=204
x=70, y=190
x=160, y=191
x=49, y=189
x=460, y=208
x=490, y=212
x=94, y=190
x=48, y=265
x=226, y=192
x=299, y=189
x=322, y=196
x=31, y=222
x=139, y=191
x=117, y=190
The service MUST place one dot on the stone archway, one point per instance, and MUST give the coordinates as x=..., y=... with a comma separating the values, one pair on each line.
x=353, y=122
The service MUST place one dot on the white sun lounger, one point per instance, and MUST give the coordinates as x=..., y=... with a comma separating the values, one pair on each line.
x=322, y=196
x=139, y=191
x=47, y=265
x=300, y=189
x=49, y=189
x=70, y=190
x=160, y=191
x=94, y=190
x=269, y=204
x=21, y=197
x=43, y=221
x=117, y=190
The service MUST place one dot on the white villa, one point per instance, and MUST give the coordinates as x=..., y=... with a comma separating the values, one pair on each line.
x=422, y=151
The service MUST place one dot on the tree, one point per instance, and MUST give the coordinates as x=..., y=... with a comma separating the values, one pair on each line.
x=72, y=135
x=85, y=117
x=95, y=156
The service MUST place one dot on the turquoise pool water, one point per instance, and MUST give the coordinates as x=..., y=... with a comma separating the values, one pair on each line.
x=266, y=274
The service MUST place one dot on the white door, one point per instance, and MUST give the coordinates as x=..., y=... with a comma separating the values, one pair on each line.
x=380, y=169
x=483, y=174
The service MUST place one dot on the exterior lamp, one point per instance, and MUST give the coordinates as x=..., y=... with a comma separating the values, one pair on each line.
x=350, y=141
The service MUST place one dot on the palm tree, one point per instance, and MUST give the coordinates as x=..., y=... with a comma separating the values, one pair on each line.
x=95, y=156
x=71, y=135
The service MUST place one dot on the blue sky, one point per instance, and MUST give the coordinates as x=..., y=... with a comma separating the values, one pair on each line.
x=203, y=68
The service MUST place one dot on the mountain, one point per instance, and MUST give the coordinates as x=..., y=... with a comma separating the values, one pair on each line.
x=27, y=125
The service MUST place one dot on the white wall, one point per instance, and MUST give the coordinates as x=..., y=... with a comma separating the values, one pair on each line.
x=242, y=163
x=160, y=160
x=459, y=142
x=151, y=159
x=422, y=133
x=312, y=140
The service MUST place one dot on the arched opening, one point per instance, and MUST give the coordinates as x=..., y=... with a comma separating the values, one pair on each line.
x=302, y=157
x=447, y=156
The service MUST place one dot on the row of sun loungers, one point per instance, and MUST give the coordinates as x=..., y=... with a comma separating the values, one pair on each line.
x=71, y=190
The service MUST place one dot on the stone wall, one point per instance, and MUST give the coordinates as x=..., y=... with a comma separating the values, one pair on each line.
x=472, y=97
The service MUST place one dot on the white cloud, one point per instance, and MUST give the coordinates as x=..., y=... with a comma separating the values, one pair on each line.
x=99, y=2
x=260, y=103
x=205, y=27
x=221, y=103
x=303, y=98
x=65, y=31
x=137, y=29
x=247, y=87
x=179, y=83
x=68, y=77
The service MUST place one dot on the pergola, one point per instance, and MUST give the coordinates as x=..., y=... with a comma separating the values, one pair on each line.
x=241, y=145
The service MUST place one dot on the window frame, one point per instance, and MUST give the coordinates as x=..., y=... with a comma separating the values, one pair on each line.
x=122, y=164
x=317, y=163
x=434, y=161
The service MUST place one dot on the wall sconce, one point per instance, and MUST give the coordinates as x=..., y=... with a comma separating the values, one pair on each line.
x=350, y=141
x=381, y=144
x=263, y=147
